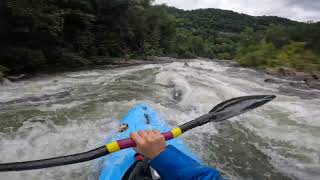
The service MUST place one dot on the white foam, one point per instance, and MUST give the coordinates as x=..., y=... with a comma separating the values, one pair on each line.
x=37, y=140
x=287, y=122
x=55, y=107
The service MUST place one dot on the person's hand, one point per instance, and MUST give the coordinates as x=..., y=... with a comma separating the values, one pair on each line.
x=149, y=143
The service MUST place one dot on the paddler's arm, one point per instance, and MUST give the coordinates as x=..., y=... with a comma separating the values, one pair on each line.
x=169, y=162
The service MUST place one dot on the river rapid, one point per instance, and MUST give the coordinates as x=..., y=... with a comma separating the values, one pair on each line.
x=73, y=112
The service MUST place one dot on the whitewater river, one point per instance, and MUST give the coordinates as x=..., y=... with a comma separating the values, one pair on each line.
x=73, y=112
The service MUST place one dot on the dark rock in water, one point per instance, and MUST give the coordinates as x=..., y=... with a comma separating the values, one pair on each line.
x=300, y=80
x=288, y=73
x=276, y=81
x=177, y=94
x=312, y=80
x=283, y=71
x=315, y=76
x=301, y=76
x=55, y=81
x=296, y=84
x=273, y=81
x=234, y=64
x=186, y=64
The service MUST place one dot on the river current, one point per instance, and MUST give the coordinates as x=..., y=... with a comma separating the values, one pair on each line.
x=58, y=114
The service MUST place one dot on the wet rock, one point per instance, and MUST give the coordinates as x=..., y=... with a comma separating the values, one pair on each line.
x=234, y=64
x=271, y=72
x=312, y=80
x=299, y=79
x=296, y=84
x=315, y=76
x=272, y=81
x=300, y=76
x=277, y=81
x=284, y=71
x=177, y=94
x=186, y=64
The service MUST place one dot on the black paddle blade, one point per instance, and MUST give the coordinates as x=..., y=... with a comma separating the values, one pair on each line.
x=228, y=109
x=240, y=105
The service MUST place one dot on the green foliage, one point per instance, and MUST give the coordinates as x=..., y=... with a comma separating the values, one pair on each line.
x=21, y=58
x=39, y=34
x=296, y=56
x=277, y=35
x=4, y=69
x=260, y=55
x=267, y=54
x=221, y=30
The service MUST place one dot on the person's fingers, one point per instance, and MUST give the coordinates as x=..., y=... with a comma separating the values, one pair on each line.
x=136, y=138
x=143, y=134
x=154, y=132
x=149, y=136
x=151, y=133
x=159, y=136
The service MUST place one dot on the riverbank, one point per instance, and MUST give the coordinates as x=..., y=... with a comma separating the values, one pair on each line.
x=286, y=76
x=112, y=63
x=279, y=75
x=295, y=78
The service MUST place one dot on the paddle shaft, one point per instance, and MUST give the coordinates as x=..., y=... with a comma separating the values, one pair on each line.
x=222, y=111
x=82, y=157
x=174, y=133
x=101, y=151
x=129, y=143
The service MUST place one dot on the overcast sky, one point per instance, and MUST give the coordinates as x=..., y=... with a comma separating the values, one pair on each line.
x=301, y=10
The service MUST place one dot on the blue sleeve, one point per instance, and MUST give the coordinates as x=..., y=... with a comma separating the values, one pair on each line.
x=173, y=164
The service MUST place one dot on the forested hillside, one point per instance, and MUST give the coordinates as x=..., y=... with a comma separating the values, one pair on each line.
x=40, y=34
x=48, y=34
x=210, y=21
x=221, y=29
x=262, y=42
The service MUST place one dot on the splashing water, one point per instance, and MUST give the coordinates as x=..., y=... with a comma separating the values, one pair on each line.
x=73, y=112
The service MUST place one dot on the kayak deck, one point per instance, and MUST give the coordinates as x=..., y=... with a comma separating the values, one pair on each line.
x=140, y=117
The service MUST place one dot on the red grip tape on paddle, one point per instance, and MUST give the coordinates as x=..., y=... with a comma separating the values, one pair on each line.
x=128, y=143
